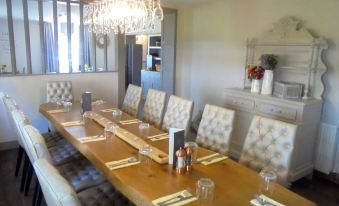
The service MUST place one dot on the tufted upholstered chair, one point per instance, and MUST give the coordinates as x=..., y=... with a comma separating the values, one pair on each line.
x=269, y=143
x=215, y=128
x=154, y=107
x=58, y=192
x=81, y=174
x=131, y=103
x=178, y=114
x=61, y=90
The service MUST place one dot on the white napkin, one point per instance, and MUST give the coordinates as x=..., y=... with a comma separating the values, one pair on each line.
x=209, y=159
x=175, y=199
x=108, y=110
x=56, y=111
x=72, y=123
x=267, y=199
x=91, y=138
x=122, y=163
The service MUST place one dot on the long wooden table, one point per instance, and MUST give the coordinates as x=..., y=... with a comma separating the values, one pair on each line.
x=234, y=183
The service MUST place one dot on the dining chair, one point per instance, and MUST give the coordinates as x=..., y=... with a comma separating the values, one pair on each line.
x=80, y=173
x=131, y=103
x=59, y=91
x=269, y=143
x=215, y=128
x=154, y=107
x=178, y=114
x=58, y=192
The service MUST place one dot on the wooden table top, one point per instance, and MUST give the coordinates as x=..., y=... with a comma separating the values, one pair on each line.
x=234, y=183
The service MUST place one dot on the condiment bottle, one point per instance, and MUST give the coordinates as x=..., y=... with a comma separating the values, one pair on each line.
x=181, y=161
x=189, y=152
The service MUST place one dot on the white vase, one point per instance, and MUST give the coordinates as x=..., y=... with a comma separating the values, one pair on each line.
x=267, y=84
x=255, y=87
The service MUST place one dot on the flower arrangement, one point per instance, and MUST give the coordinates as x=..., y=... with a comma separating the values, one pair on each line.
x=255, y=72
x=268, y=61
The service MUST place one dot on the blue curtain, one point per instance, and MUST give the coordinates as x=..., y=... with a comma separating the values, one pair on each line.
x=49, y=48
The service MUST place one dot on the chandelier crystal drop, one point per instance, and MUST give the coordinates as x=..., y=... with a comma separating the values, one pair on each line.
x=105, y=16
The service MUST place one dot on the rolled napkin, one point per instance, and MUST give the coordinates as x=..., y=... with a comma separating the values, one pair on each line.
x=91, y=138
x=108, y=110
x=210, y=159
x=72, y=123
x=177, y=199
x=122, y=163
x=264, y=200
x=56, y=111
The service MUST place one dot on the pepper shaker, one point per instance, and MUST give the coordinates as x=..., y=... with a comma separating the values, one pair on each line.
x=189, y=152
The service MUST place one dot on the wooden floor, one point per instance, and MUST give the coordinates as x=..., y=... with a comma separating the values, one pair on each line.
x=319, y=190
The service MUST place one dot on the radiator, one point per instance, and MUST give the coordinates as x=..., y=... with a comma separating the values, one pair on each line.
x=327, y=148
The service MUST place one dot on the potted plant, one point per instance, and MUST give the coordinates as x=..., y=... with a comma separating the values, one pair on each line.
x=268, y=63
x=255, y=73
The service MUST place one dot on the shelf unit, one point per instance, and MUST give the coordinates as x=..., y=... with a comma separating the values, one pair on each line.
x=154, y=49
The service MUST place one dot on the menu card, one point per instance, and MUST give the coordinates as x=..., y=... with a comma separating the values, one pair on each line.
x=176, y=140
x=86, y=101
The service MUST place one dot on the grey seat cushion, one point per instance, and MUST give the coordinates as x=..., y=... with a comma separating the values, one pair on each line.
x=52, y=138
x=63, y=153
x=103, y=195
x=81, y=174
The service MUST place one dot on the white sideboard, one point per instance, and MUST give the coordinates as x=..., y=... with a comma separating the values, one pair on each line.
x=306, y=114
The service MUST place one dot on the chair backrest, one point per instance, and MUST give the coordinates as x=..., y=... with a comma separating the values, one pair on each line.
x=154, y=107
x=61, y=90
x=215, y=128
x=19, y=121
x=35, y=144
x=131, y=103
x=178, y=114
x=56, y=189
x=269, y=143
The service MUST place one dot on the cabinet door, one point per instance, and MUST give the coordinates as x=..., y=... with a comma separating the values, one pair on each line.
x=145, y=81
x=156, y=81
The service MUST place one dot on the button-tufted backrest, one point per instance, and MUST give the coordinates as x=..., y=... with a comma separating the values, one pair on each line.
x=35, y=144
x=154, y=107
x=20, y=121
x=131, y=103
x=215, y=128
x=61, y=90
x=269, y=143
x=178, y=114
x=56, y=189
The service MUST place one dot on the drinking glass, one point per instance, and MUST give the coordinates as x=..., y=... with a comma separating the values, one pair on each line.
x=110, y=131
x=194, y=147
x=144, y=154
x=117, y=113
x=268, y=179
x=143, y=129
x=205, y=191
x=67, y=106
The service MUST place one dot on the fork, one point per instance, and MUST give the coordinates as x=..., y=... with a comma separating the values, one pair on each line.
x=182, y=196
x=130, y=160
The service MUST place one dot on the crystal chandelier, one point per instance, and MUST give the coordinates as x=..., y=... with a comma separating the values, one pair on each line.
x=105, y=16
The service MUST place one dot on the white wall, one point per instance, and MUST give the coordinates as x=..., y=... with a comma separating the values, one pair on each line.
x=30, y=91
x=211, y=44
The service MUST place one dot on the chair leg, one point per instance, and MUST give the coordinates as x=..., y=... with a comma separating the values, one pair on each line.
x=36, y=191
x=18, y=161
x=24, y=173
x=39, y=200
x=29, y=178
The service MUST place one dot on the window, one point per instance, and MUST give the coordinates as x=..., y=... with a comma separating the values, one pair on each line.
x=48, y=37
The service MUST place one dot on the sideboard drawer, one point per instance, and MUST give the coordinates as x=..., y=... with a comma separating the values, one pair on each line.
x=276, y=110
x=239, y=103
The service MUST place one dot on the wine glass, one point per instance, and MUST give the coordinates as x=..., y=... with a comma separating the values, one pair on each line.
x=117, y=113
x=205, y=191
x=143, y=129
x=145, y=154
x=110, y=131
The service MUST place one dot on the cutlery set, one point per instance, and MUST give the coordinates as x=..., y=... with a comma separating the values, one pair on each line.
x=122, y=163
x=181, y=198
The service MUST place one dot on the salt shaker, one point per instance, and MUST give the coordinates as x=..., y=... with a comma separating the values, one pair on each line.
x=181, y=162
